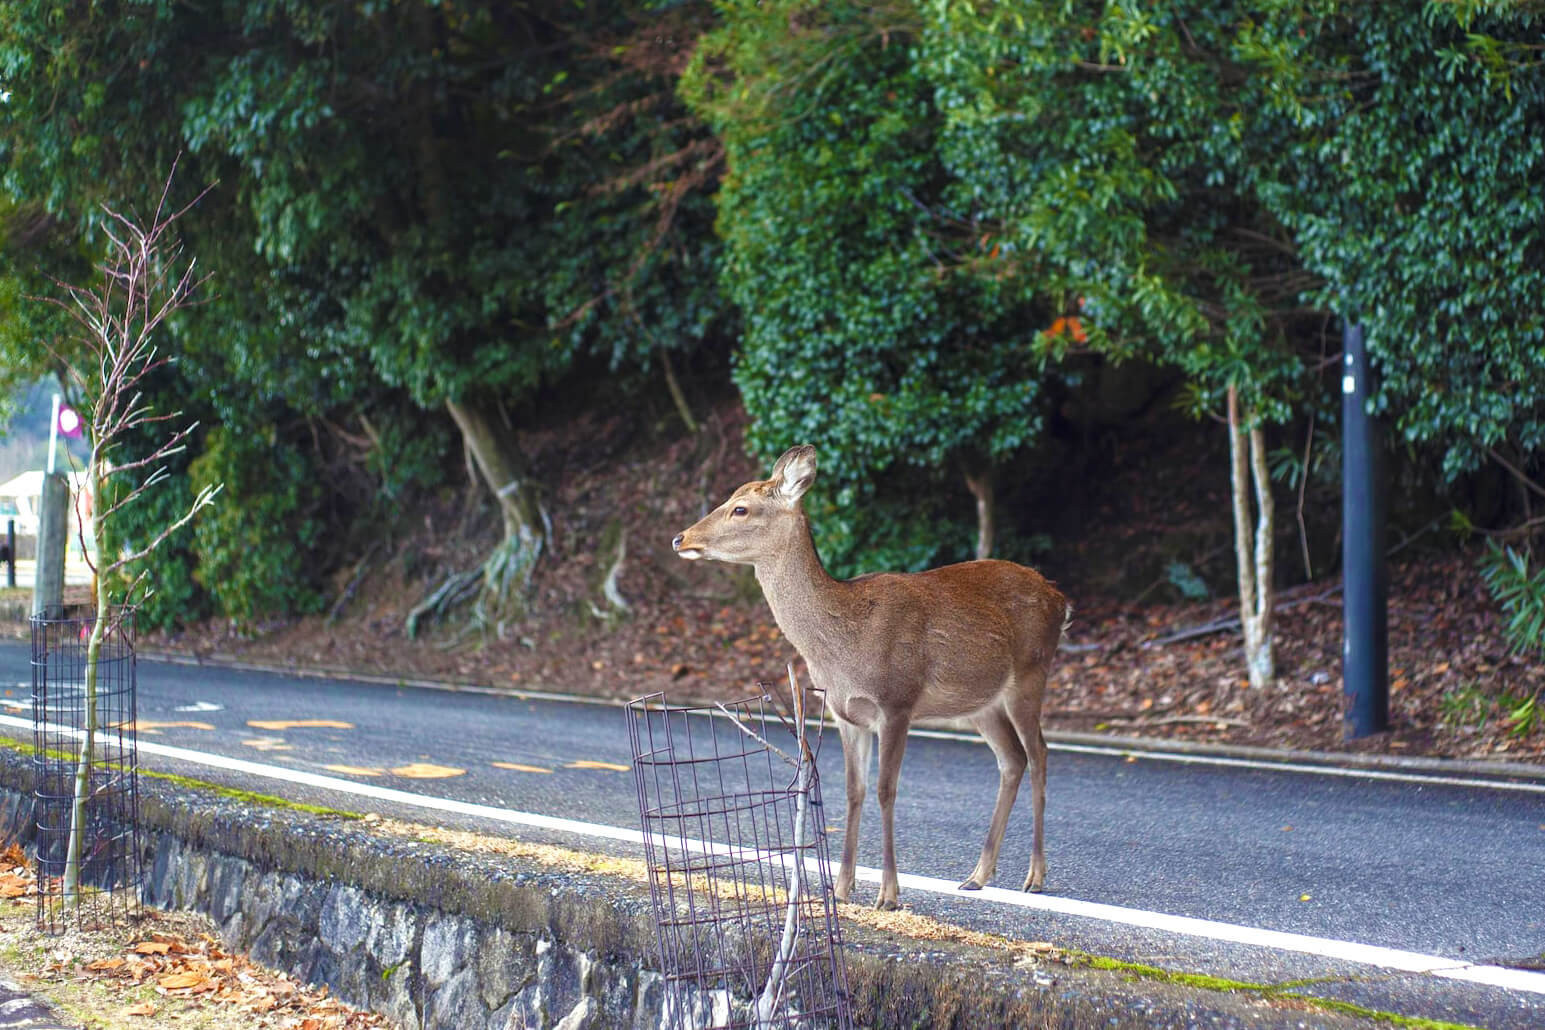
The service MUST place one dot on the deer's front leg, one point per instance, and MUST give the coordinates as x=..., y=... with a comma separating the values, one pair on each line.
x=893, y=743
x=856, y=745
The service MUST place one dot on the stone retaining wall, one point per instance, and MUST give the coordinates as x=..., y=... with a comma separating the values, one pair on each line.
x=439, y=939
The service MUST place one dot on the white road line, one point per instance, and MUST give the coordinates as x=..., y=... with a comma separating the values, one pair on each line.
x=1324, y=947
x=1345, y=772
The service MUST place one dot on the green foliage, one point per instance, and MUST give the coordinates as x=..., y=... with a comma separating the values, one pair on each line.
x=924, y=206
x=1520, y=592
x=246, y=545
x=1212, y=187
x=169, y=595
x=1467, y=707
x=840, y=222
x=416, y=201
x=1410, y=186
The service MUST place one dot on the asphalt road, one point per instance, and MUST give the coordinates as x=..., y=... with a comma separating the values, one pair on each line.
x=1449, y=871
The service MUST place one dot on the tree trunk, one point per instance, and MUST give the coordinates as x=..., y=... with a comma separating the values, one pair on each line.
x=981, y=486
x=677, y=396
x=507, y=571
x=498, y=457
x=1247, y=461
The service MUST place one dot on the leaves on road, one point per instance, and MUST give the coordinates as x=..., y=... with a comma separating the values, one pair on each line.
x=427, y=771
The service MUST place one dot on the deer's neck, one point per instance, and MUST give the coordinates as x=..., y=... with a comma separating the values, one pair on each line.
x=810, y=607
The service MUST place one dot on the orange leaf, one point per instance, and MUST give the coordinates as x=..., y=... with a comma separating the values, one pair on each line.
x=104, y=965
x=1072, y=326
x=181, y=981
x=152, y=947
x=144, y=1008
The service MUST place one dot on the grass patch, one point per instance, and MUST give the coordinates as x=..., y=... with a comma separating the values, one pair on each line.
x=248, y=797
x=1275, y=992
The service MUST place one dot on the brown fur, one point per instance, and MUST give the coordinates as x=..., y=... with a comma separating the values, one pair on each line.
x=972, y=641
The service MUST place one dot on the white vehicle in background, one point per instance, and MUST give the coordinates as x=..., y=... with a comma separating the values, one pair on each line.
x=20, y=500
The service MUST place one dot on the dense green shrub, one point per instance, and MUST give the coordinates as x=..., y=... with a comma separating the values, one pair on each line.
x=169, y=595
x=839, y=220
x=253, y=546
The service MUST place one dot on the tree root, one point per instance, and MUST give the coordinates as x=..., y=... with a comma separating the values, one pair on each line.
x=499, y=586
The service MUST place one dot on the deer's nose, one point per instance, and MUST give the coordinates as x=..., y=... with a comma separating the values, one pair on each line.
x=676, y=543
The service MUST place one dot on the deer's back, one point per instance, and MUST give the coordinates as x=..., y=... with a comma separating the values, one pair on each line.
x=953, y=631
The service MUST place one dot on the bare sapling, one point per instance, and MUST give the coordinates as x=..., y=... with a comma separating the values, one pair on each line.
x=972, y=641
x=771, y=1007
x=144, y=280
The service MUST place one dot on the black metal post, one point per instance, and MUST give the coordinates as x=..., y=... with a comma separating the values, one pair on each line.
x=1365, y=580
x=10, y=553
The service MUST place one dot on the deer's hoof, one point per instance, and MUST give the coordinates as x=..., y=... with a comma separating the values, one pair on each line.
x=887, y=905
x=970, y=885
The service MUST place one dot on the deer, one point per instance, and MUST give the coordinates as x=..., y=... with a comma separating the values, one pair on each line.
x=973, y=640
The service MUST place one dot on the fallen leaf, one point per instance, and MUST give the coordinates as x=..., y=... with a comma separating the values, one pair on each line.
x=352, y=770
x=182, y=980
x=144, y=1008
x=427, y=771
x=299, y=724
x=517, y=767
x=152, y=948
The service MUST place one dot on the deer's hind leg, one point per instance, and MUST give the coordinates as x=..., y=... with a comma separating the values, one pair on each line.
x=998, y=730
x=1025, y=714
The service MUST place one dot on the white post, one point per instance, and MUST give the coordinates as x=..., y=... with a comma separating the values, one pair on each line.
x=53, y=434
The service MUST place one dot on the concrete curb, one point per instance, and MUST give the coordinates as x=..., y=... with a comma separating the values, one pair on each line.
x=421, y=931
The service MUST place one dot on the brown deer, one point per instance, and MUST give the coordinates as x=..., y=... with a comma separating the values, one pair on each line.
x=973, y=640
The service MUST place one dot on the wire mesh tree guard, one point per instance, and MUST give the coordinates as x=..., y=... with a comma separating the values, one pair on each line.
x=86, y=766
x=739, y=869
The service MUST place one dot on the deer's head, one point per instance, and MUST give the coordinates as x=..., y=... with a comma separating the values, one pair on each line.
x=761, y=519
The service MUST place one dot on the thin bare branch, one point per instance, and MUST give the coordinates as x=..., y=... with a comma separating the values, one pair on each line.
x=205, y=497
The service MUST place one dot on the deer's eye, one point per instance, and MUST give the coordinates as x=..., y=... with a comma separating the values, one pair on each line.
x=740, y=510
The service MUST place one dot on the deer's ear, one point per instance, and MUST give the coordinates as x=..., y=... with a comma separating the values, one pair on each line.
x=794, y=473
